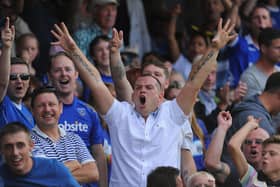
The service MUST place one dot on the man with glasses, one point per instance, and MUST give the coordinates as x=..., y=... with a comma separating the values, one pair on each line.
x=14, y=82
x=251, y=148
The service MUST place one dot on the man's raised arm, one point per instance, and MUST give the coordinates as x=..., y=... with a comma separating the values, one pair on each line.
x=90, y=75
x=122, y=85
x=7, y=36
x=201, y=68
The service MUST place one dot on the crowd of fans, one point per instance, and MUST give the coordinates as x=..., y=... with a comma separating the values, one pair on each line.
x=136, y=93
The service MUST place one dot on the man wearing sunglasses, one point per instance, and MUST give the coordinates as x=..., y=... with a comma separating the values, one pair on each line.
x=14, y=82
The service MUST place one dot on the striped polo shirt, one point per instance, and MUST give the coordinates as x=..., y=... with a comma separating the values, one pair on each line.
x=69, y=147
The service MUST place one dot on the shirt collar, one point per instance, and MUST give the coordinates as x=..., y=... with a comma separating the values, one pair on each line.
x=249, y=40
x=36, y=129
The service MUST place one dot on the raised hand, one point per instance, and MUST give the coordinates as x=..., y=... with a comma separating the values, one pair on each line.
x=176, y=10
x=63, y=37
x=224, y=120
x=224, y=94
x=252, y=122
x=8, y=34
x=116, y=41
x=224, y=34
x=240, y=91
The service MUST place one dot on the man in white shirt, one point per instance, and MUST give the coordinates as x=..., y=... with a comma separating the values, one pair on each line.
x=144, y=135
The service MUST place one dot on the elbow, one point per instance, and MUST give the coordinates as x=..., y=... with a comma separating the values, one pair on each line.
x=94, y=177
x=211, y=164
x=231, y=147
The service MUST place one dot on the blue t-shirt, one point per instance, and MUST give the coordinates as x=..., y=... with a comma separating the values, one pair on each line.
x=44, y=173
x=241, y=55
x=81, y=119
x=10, y=113
x=198, y=154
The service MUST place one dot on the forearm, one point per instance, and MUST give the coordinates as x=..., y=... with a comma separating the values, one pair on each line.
x=187, y=164
x=234, y=148
x=122, y=85
x=200, y=70
x=87, y=173
x=5, y=61
x=213, y=156
x=90, y=75
x=101, y=162
x=214, y=151
x=249, y=6
x=233, y=15
x=173, y=45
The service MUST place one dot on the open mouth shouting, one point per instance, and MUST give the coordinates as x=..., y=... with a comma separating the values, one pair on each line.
x=253, y=153
x=142, y=99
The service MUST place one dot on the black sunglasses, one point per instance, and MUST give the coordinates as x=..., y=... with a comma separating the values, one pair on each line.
x=23, y=76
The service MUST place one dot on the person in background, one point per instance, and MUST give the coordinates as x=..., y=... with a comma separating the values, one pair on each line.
x=164, y=177
x=201, y=178
x=104, y=14
x=21, y=169
x=27, y=47
x=269, y=175
x=51, y=141
x=77, y=116
x=14, y=83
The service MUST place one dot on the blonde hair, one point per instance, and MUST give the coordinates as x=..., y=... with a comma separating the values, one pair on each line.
x=197, y=130
x=200, y=173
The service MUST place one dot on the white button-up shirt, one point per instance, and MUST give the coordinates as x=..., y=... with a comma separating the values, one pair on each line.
x=139, y=146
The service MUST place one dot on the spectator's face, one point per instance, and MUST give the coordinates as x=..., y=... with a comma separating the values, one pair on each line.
x=178, y=78
x=16, y=149
x=271, y=160
x=46, y=110
x=252, y=146
x=260, y=19
x=101, y=54
x=18, y=88
x=173, y=93
x=210, y=82
x=214, y=9
x=202, y=181
x=272, y=52
x=106, y=16
x=197, y=47
x=158, y=73
x=146, y=95
x=29, y=46
x=63, y=75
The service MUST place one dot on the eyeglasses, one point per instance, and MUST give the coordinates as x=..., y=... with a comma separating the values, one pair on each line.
x=250, y=142
x=23, y=76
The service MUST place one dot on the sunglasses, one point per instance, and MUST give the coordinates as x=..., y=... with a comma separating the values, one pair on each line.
x=250, y=142
x=23, y=76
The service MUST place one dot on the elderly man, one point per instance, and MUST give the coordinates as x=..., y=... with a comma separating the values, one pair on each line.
x=104, y=18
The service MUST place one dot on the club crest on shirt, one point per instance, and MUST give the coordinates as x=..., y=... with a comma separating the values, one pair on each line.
x=81, y=111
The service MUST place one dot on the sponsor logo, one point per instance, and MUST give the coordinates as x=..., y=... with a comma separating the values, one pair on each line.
x=74, y=127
